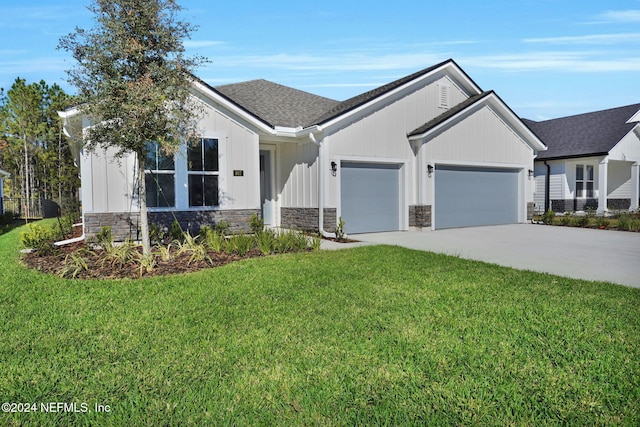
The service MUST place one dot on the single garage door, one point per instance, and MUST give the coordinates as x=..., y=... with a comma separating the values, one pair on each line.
x=370, y=197
x=471, y=196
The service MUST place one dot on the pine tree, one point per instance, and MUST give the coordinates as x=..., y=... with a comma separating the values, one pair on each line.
x=134, y=81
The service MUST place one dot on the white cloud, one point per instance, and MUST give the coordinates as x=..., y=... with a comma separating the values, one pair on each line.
x=594, y=39
x=632, y=15
x=571, y=62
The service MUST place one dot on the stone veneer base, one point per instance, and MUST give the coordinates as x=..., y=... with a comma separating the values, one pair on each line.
x=307, y=219
x=127, y=224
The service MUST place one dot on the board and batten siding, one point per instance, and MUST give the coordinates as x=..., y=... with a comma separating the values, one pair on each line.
x=110, y=184
x=240, y=153
x=481, y=139
x=381, y=136
x=297, y=175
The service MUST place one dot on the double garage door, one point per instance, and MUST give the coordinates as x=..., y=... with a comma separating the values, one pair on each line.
x=464, y=196
x=472, y=196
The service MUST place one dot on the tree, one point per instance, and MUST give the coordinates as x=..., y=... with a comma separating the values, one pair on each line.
x=134, y=81
x=32, y=146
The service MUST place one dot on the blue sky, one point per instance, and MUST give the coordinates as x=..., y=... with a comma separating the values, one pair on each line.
x=545, y=58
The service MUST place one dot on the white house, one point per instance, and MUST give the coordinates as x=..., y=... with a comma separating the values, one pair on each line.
x=3, y=175
x=593, y=161
x=428, y=150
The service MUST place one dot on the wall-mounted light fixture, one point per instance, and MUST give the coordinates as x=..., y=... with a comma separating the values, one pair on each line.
x=334, y=168
x=530, y=173
x=429, y=170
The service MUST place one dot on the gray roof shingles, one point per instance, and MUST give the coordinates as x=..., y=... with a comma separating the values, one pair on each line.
x=582, y=135
x=275, y=104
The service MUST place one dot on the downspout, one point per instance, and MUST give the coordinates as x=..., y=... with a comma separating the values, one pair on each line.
x=547, y=188
x=321, y=186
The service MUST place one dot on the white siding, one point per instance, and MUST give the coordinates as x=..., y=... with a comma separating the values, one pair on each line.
x=111, y=187
x=558, y=185
x=619, y=180
x=110, y=184
x=298, y=174
x=481, y=139
x=382, y=135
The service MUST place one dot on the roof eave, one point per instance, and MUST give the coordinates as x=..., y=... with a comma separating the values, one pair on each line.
x=573, y=156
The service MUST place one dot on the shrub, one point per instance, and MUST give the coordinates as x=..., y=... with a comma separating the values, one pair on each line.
x=340, y=229
x=566, y=219
x=120, y=254
x=156, y=235
x=256, y=224
x=176, y=233
x=104, y=238
x=222, y=227
x=75, y=263
x=602, y=221
x=548, y=216
x=39, y=238
x=266, y=241
x=240, y=244
x=582, y=220
x=212, y=239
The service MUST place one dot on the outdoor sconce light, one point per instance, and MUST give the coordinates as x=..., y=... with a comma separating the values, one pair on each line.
x=530, y=173
x=334, y=168
x=429, y=170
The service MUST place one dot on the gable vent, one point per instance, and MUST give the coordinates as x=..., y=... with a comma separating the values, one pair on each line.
x=444, y=91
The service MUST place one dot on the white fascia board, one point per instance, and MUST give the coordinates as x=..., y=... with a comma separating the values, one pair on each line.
x=494, y=102
x=450, y=68
x=216, y=98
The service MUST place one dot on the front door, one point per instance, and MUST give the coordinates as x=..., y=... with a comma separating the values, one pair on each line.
x=266, y=198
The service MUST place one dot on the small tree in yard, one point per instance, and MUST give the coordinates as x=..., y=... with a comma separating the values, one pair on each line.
x=134, y=81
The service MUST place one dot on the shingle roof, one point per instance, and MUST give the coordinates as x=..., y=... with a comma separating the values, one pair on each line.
x=356, y=101
x=275, y=104
x=586, y=134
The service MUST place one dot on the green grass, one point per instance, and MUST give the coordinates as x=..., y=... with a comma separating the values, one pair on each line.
x=369, y=336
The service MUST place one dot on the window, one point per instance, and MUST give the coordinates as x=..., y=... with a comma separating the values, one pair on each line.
x=203, y=170
x=159, y=169
x=584, y=181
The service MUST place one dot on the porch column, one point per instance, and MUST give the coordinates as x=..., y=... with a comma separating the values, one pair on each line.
x=603, y=170
x=635, y=185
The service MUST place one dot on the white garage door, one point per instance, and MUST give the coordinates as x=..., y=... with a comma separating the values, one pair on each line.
x=370, y=197
x=471, y=196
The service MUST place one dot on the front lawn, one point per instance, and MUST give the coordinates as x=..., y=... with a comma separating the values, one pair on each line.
x=368, y=336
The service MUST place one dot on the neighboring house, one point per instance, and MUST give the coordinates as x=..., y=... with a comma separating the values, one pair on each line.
x=428, y=150
x=592, y=161
x=3, y=175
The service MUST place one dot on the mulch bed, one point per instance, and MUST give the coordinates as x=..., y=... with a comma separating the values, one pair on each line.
x=98, y=268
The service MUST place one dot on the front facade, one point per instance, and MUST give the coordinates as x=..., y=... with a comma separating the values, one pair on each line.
x=429, y=150
x=593, y=162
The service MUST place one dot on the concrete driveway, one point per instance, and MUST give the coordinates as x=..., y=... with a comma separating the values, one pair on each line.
x=612, y=256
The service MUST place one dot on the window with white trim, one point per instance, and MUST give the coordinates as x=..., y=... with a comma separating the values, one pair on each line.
x=203, y=172
x=584, y=181
x=160, y=178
